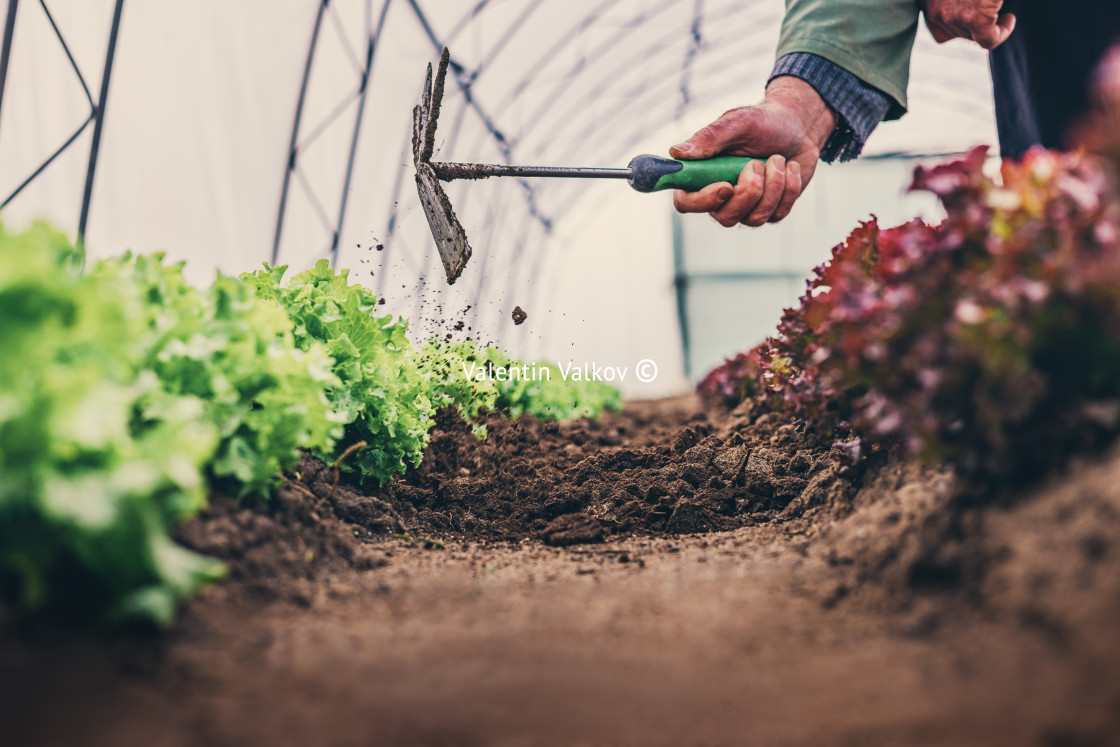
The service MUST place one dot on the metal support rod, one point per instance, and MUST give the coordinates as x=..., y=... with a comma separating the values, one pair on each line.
x=680, y=288
x=609, y=46
x=292, y=147
x=6, y=49
x=69, y=56
x=522, y=236
x=50, y=159
x=694, y=48
x=99, y=122
x=371, y=46
x=500, y=141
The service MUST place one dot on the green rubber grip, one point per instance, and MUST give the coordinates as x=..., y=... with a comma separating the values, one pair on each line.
x=654, y=173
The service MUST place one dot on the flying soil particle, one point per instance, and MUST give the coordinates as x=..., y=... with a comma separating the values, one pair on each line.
x=458, y=326
x=380, y=247
x=519, y=315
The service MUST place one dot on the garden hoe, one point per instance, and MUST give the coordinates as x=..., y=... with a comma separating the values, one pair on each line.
x=644, y=173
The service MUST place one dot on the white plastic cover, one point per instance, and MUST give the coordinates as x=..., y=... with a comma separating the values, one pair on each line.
x=200, y=114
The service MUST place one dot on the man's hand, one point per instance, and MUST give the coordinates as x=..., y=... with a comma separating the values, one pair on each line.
x=978, y=20
x=788, y=129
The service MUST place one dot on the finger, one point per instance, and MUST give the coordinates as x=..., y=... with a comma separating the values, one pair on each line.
x=716, y=137
x=988, y=37
x=939, y=33
x=792, y=192
x=1005, y=24
x=748, y=191
x=707, y=200
x=992, y=35
x=771, y=194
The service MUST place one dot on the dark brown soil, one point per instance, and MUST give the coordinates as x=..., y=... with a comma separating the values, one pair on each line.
x=643, y=472
x=658, y=577
x=519, y=315
x=629, y=473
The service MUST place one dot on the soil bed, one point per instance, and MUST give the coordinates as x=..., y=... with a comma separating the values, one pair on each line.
x=660, y=576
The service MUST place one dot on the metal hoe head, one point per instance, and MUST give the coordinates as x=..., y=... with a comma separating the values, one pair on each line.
x=451, y=239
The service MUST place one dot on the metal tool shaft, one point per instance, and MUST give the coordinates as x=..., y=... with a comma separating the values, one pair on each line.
x=449, y=171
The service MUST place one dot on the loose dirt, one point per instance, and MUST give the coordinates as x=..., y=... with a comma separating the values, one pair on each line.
x=641, y=472
x=659, y=577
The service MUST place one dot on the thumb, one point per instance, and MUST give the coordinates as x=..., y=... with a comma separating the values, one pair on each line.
x=996, y=34
x=726, y=132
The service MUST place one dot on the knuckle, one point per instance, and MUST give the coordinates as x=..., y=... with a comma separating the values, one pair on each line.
x=724, y=220
x=976, y=19
x=754, y=220
x=985, y=38
x=707, y=132
x=781, y=212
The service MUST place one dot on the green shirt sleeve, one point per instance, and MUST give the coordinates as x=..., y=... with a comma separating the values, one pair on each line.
x=871, y=39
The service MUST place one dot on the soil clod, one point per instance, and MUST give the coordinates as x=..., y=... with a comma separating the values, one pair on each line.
x=572, y=529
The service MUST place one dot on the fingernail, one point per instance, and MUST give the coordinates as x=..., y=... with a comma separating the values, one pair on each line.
x=682, y=147
x=724, y=193
x=759, y=168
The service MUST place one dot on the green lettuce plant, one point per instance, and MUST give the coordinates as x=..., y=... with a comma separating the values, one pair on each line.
x=236, y=355
x=380, y=395
x=125, y=396
x=90, y=486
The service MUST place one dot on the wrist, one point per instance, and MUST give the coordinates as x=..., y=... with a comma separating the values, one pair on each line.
x=793, y=94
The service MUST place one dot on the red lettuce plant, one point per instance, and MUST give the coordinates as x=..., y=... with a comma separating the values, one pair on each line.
x=991, y=340
x=736, y=379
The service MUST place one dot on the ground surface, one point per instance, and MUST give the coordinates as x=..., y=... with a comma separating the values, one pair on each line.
x=730, y=582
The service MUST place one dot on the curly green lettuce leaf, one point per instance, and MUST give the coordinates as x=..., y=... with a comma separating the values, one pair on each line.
x=235, y=353
x=88, y=499
x=380, y=394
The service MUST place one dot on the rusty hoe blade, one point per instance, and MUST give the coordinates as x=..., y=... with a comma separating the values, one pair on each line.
x=450, y=238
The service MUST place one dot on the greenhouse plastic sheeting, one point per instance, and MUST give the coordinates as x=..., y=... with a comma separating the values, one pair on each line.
x=199, y=124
